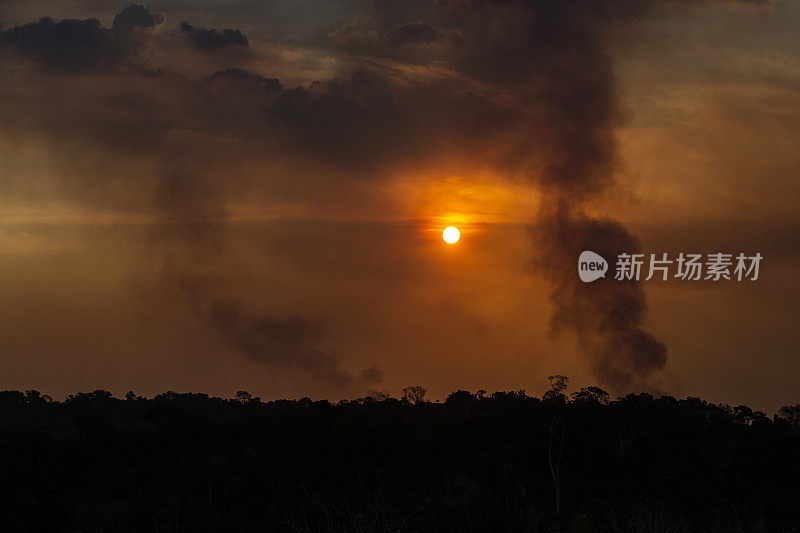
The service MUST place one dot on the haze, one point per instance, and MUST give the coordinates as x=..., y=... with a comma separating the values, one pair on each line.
x=262, y=208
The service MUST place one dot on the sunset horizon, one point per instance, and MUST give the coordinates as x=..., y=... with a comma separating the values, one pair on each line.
x=340, y=215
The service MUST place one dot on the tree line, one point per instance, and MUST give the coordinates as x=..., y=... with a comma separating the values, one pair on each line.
x=502, y=461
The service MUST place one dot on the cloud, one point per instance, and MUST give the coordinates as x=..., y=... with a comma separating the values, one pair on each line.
x=136, y=16
x=85, y=45
x=67, y=45
x=421, y=33
x=415, y=41
x=204, y=38
x=361, y=32
x=245, y=76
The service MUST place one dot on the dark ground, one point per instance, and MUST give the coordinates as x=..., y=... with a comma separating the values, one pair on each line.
x=187, y=462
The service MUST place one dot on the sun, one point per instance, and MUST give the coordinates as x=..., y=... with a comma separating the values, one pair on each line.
x=451, y=235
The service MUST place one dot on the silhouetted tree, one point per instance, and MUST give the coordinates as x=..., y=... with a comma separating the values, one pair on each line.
x=460, y=399
x=243, y=396
x=414, y=394
x=791, y=414
x=33, y=396
x=558, y=384
x=374, y=396
x=591, y=394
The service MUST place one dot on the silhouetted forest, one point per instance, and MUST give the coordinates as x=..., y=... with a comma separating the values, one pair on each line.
x=476, y=462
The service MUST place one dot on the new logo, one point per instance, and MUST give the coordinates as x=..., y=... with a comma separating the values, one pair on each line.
x=591, y=266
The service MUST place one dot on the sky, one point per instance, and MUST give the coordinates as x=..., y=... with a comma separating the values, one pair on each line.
x=250, y=195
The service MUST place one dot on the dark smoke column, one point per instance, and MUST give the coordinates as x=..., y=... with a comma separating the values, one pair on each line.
x=606, y=315
x=575, y=83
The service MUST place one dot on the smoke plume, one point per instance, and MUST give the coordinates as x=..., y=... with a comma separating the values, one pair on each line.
x=192, y=239
x=522, y=88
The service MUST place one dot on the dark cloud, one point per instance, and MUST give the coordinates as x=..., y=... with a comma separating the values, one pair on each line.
x=85, y=45
x=421, y=33
x=414, y=41
x=66, y=45
x=354, y=121
x=136, y=16
x=360, y=33
x=242, y=75
x=204, y=38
